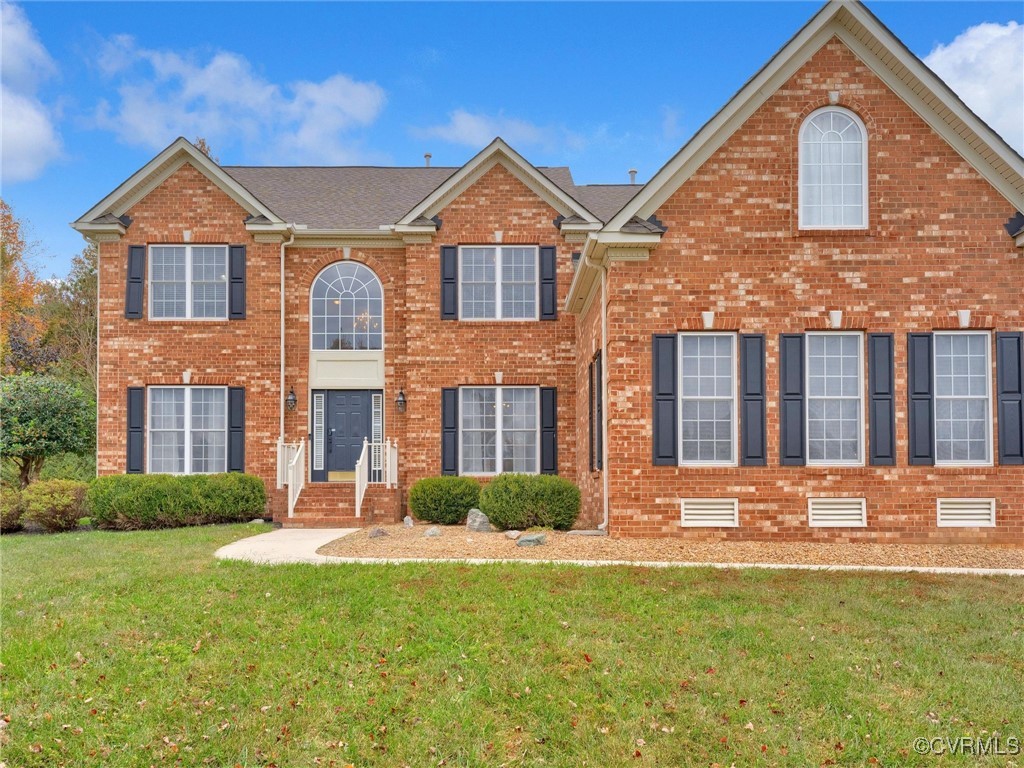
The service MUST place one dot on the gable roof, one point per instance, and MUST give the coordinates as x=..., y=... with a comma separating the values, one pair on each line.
x=890, y=60
x=153, y=173
x=498, y=152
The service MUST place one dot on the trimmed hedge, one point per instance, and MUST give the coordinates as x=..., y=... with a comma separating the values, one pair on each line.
x=10, y=509
x=137, y=502
x=517, y=501
x=444, y=500
x=56, y=505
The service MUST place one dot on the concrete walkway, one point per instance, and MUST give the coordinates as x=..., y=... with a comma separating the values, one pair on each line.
x=299, y=545
x=285, y=545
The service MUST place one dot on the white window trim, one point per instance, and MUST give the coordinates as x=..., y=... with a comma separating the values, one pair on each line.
x=188, y=282
x=734, y=461
x=864, y=172
x=188, y=427
x=859, y=462
x=990, y=461
x=497, y=284
x=364, y=352
x=499, y=458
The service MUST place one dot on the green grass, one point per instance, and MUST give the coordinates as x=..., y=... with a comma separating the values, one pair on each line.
x=125, y=649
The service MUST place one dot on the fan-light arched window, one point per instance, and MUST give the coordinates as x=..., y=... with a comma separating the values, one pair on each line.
x=833, y=171
x=347, y=308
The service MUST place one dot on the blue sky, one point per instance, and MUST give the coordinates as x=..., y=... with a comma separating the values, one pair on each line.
x=91, y=91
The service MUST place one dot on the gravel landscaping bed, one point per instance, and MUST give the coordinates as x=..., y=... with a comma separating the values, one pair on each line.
x=457, y=543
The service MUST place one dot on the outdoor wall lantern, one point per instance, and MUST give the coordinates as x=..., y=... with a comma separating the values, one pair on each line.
x=400, y=401
x=291, y=401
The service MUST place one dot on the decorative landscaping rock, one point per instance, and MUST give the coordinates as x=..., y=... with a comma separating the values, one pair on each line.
x=376, y=533
x=432, y=532
x=531, y=540
x=586, y=533
x=407, y=522
x=477, y=522
x=513, y=535
x=256, y=520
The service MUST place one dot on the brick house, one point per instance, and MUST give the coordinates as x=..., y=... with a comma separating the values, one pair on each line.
x=807, y=325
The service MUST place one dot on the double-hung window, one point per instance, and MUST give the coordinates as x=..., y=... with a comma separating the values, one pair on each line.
x=499, y=430
x=963, y=398
x=188, y=282
x=498, y=282
x=708, y=434
x=835, y=398
x=187, y=430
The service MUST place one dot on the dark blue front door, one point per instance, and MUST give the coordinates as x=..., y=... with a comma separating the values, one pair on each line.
x=348, y=424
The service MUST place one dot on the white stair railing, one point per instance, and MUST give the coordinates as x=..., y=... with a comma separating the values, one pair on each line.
x=377, y=465
x=296, y=474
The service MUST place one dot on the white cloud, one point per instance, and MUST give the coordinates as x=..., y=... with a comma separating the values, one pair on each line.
x=477, y=130
x=985, y=66
x=164, y=94
x=29, y=138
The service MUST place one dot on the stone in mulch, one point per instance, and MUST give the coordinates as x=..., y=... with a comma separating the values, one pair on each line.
x=531, y=540
x=432, y=532
x=407, y=521
x=477, y=522
x=377, y=533
x=513, y=535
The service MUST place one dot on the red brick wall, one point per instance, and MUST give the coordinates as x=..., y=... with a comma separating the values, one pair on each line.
x=591, y=483
x=450, y=353
x=144, y=352
x=935, y=244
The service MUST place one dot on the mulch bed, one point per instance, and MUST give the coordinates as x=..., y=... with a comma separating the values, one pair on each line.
x=456, y=543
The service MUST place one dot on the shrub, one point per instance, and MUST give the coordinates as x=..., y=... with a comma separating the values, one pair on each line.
x=10, y=509
x=526, y=501
x=137, y=502
x=56, y=505
x=444, y=500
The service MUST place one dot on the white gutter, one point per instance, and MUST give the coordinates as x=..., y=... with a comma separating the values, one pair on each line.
x=603, y=267
x=284, y=244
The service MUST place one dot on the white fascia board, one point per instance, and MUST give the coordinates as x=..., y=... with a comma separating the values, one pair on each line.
x=834, y=19
x=498, y=152
x=156, y=171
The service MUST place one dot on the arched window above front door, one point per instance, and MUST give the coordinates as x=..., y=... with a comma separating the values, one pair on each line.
x=347, y=308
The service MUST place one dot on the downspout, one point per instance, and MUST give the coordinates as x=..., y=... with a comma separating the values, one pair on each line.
x=284, y=244
x=604, y=385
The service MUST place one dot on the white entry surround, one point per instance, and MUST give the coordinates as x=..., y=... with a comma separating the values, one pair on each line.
x=346, y=369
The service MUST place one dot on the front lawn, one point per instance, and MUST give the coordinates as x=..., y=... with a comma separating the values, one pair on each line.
x=125, y=649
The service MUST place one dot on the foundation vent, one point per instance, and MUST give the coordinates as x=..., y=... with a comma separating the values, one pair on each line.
x=965, y=513
x=710, y=513
x=837, y=513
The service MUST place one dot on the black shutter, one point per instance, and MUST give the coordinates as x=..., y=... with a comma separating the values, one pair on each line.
x=236, y=429
x=450, y=431
x=548, y=431
x=236, y=282
x=791, y=400
x=665, y=394
x=920, y=418
x=136, y=281
x=136, y=459
x=449, y=283
x=882, y=403
x=753, y=442
x=548, y=283
x=592, y=412
x=1010, y=396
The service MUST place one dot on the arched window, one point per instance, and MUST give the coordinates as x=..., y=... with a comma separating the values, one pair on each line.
x=347, y=309
x=833, y=171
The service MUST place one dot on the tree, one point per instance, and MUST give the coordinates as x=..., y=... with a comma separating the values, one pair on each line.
x=18, y=291
x=43, y=416
x=204, y=146
x=68, y=307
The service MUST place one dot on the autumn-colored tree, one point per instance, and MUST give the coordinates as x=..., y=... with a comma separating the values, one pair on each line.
x=68, y=308
x=18, y=291
x=204, y=146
